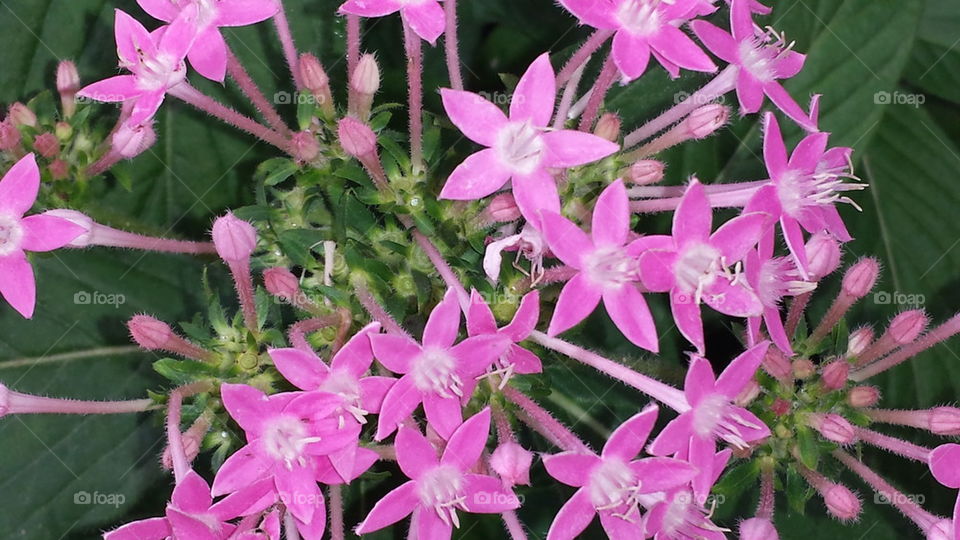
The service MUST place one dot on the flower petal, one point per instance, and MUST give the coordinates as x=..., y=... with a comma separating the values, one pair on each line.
x=573, y=517
x=247, y=405
x=486, y=495
x=144, y=529
x=132, y=38
x=391, y=508
x=474, y=355
x=415, y=454
x=577, y=300
x=209, y=54
x=395, y=352
x=699, y=381
x=240, y=470
x=535, y=95
x=444, y=414
x=731, y=298
x=400, y=401
x=686, y=313
x=525, y=319
x=468, y=441
x=46, y=233
x=741, y=20
x=245, y=12
x=785, y=102
x=373, y=390
x=662, y=474
x=674, y=437
x=630, y=54
x=426, y=19
x=741, y=370
x=809, y=151
x=774, y=151
x=793, y=236
x=568, y=148
x=739, y=235
x=677, y=47
x=611, y=216
x=370, y=8
x=943, y=465
x=478, y=176
x=192, y=494
x=598, y=14
x=628, y=440
x=749, y=92
x=164, y=10
x=429, y=525
x=478, y=119
x=656, y=269
x=19, y=187
x=718, y=41
x=480, y=319
x=571, y=468
x=630, y=313
x=693, y=220
x=114, y=89
x=304, y=370
x=443, y=324
x=566, y=240
x=356, y=355
x=536, y=193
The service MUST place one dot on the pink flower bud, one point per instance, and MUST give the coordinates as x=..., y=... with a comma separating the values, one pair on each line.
x=312, y=75
x=512, y=462
x=748, y=394
x=861, y=277
x=758, y=529
x=780, y=406
x=863, y=396
x=68, y=79
x=46, y=144
x=59, y=169
x=150, y=333
x=842, y=503
x=907, y=326
x=9, y=135
x=823, y=255
x=777, y=365
x=281, y=283
x=803, y=368
x=234, y=238
x=356, y=138
x=129, y=141
x=502, y=209
x=859, y=340
x=945, y=421
x=834, y=374
x=704, y=121
x=21, y=115
x=78, y=218
x=833, y=427
x=191, y=448
x=305, y=146
x=608, y=127
x=646, y=172
x=366, y=76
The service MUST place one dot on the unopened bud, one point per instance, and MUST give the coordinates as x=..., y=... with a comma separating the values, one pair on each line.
x=63, y=131
x=907, y=326
x=945, y=421
x=234, y=238
x=861, y=277
x=364, y=83
x=706, y=120
x=758, y=529
x=842, y=503
x=512, y=462
x=863, y=396
x=646, y=172
x=9, y=135
x=749, y=393
x=859, y=340
x=608, y=127
x=823, y=255
x=68, y=84
x=305, y=146
x=356, y=138
x=780, y=407
x=502, y=209
x=191, y=439
x=834, y=376
x=315, y=80
x=21, y=115
x=833, y=427
x=777, y=365
x=803, y=368
x=59, y=169
x=129, y=141
x=150, y=333
x=281, y=283
x=46, y=144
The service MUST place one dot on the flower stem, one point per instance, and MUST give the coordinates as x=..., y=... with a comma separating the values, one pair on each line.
x=253, y=93
x=353, y=43
x=893, y=444
x=449, y=277
x=604, y=81
x=451, y=45
x=722, y=199
x=566, y=100
x=245, y=294
x=297, y=334
x=378, y=313
x=931, y=338
x=286, y=42
x=174, y=440
x=582, y=55
x=336, y=512
x=414, y=49
x=512, y=523
x=767, y=500
x=795, y=312
x=101, y=235
x=12, y=402
x=544, y=423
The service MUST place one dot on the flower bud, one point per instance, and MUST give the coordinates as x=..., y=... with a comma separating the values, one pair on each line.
x=46, y=144
x=305, y=146
x=77, y=218
x=63, y=131
x=59, y=169
x=234, y=238
x=191, y=439
x=945, y=421
x=803, y=368
x=777, y=365
x=823, y=255
x=842, y=503
x=512, y=462
x=861, y=277
x=129, y=141
x=502, y=209
x=859, y=340
x=9, y=135
x=706, y=120
x=863, y=396
x=907, y=326
x=833, y=427
x=315, y=80
x=68, y=84
x=780, y=406
x=364, y=83
x=748, y=394
x=21, y=115
x=758, y=529
x=834, y=375
x=150, y=333
x=281, y=283
x=608, y=127
x=356, y=138
x=646, y=171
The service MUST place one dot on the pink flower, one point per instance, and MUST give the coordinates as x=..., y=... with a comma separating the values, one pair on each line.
x=519, y=148
x=804, y=188
x=208, y=55
x=694, y=264
x=285, y=435
x=438, y=373
x=155, y=60
x=943, y=465
x=439, y=487
x=19, y=234
x=515, y=359
x=772, y=279
x=762, y=59
x=608, y=269
x=681, y=516
x=645, y=27
x=712, y=414
x=425, y=17
x=612, y=483
x=529, y=243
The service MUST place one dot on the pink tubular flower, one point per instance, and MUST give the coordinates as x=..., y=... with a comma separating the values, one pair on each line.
x=804, y=188
x=762, y=59
x=208, y=54
x=612, y=483
x=519, y=148
x=438, y=373
x=425, y=17
x=772, y=279
x=439, y=487
x=154, y=59
x=608, y=269
x=713, y=415
x=645, y=27
x=693, y=263
x=19, y=234
x=515, y=359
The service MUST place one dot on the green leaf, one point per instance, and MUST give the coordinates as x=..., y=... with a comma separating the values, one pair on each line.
x=935, y=62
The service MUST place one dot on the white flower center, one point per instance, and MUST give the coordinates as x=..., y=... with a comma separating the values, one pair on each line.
x=697, y=267
x=778, y=277
x=342, y=383
x=285, y=439
x=11, y=234
x=442, y=489
x=824, y=186
x=610, y=267
x=685, y=518
x=761, y=55
x=715, y=417
x=613, y=485
x=161, y=72
x=520, y=147
x=435, y=371
x=207, y=13
x=640, y=17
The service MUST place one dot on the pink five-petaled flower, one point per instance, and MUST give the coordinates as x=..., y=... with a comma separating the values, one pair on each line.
x=943, y=465
x=762, y=59
x=803, y=188
x=155, y=61
x=18, y=234
x=439, y=487
x=608, y=269
x=208, y=55
x=612, y=483
x=519, y=147
x=712, y=414
x=694, y=264
x=425, y=17
x=285, y=435
x=438, y=374
x=516, y=359
x=645, y=27
x=772, y=279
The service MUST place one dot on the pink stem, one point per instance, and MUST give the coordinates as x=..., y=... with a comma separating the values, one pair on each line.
x=19, y=403
x=512, y=523
x=725, y=199
x=299, y=330
x=767, y=499
x=101, y=235
x=544, y=423
x=245, y=294
x=415, y=80
x=599, y=92
x=253, y=93
x=566, y=100
x=449, y=277
x=502, y=423
x=941, y=333
x=837, y=310
x=353, y=44
x=662, y=392
x=579, y=58
x=660, y=192
x=286, y=42
x=378, y=313
x=795, y=312
x=893, y=444
x=104, y=164
x=451, y=45
x=210, y=106
x=336, y=513
x=181, y=465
